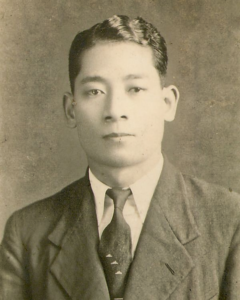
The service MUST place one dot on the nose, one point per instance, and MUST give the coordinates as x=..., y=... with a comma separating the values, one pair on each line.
x=116, y=108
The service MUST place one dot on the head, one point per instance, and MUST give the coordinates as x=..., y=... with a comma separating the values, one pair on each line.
x=119, y=102
x=118, y=29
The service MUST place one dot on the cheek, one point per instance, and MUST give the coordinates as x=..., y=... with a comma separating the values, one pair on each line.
x=152, y=119
x=86, y=118
x=85, y=127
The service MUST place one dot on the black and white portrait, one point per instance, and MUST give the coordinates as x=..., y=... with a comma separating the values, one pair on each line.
x=120, y=150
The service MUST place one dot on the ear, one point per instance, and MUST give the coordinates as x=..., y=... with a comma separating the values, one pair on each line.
x=68, y=105
x=171, y=97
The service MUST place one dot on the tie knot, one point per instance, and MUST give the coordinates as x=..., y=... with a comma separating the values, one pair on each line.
x=119, y=196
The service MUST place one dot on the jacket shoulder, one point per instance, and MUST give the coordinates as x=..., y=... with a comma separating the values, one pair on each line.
x=210, y=190
x=40, y=217
x=213, y=201
x=54, y=203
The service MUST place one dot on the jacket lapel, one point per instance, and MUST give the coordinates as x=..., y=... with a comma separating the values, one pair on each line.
x=77, y=266
x=161, y=262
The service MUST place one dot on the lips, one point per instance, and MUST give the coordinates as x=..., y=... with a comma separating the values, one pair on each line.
x=116, y=135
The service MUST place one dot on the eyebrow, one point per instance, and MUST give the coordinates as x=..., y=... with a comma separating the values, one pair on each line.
x=135, y=76
x=88, y=79
x=92, y=79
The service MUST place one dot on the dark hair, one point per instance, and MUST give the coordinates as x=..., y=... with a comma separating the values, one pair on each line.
x=118, y=28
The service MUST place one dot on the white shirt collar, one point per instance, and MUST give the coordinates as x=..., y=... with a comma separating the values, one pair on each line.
x=142, y=191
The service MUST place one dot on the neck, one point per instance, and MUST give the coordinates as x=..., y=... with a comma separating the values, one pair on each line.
x=123, y=176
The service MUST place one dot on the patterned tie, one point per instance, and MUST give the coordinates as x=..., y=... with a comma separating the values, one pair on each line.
x=115, y=246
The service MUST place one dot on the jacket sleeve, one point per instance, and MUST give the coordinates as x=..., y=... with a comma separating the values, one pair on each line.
x=14, y=281
x=231, y=282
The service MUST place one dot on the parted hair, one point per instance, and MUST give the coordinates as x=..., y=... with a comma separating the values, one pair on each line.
x=116, y=29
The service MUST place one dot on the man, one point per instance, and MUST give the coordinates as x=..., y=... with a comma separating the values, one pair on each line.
x=134, y=227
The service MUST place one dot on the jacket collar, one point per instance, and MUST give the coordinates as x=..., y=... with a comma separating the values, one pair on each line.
x=171, y=196
x=161, y=262
x=77, y=266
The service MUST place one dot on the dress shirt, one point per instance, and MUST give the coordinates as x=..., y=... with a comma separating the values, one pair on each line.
x=136, y=206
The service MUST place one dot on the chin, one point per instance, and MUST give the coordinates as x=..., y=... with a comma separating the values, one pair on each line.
x=121, y=161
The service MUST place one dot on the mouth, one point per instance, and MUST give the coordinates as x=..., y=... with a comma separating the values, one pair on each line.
x=117, y=135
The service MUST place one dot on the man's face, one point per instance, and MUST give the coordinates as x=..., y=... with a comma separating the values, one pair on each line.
x=120, y=105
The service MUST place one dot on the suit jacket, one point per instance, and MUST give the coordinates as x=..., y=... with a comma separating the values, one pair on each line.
x=189, y=246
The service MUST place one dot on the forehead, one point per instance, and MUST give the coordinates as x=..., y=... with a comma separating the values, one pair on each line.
x=110, y=58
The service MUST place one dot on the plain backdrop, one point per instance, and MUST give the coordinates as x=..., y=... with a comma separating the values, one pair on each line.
x=39, y=154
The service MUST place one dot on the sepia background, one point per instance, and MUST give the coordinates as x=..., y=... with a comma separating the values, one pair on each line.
x=39, y=154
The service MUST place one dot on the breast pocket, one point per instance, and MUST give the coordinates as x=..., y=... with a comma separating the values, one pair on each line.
x=214, y=297
x=213, y=292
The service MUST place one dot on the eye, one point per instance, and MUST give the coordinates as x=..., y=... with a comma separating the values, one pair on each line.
x=136, y=89
x=94, y=92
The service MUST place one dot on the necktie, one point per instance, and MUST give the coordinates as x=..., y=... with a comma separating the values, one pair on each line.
x=115, y=246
